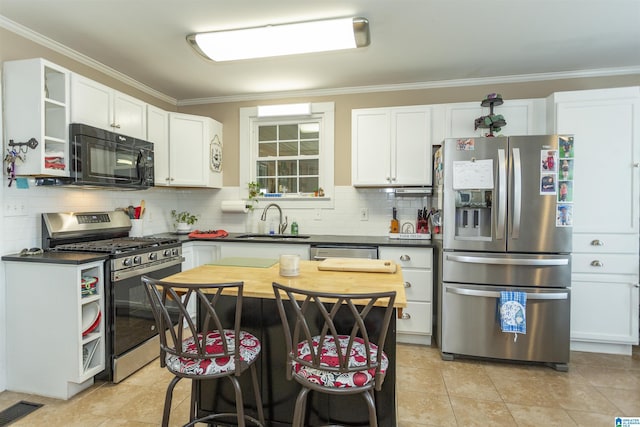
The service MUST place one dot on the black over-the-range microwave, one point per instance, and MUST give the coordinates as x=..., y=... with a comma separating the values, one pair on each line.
x=102, y=158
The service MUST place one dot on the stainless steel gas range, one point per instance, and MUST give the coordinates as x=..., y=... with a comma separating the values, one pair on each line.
x=131, y=335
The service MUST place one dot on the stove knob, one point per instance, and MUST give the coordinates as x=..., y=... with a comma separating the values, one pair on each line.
x=153, y=256
x=127, y=262
x=137, y=260
x=174, y=251
x=166, y=253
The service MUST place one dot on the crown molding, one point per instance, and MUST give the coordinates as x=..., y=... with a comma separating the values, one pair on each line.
x=38, y=38
x=520, y=78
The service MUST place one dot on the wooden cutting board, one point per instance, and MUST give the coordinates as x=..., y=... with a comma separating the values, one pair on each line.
x=358, y=264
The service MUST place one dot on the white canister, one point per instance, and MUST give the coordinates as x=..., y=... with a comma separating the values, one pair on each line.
x=289, y=265
x=137, y=229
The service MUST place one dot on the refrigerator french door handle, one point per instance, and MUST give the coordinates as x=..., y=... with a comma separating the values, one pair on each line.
x=517, y=193
x=495, y=294
x=502, y=194
x=508, y=261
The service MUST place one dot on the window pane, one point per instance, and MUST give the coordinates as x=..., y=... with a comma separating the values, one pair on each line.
x=268, y=183
x=289, y=132
x=287, y=185
x=308, y=185
x=309, y=167
x=267, y=133
x=288, y=149
x=309, y=130
x=267, y=149
x=309, y=148
x=287, y=167
x=266, y=168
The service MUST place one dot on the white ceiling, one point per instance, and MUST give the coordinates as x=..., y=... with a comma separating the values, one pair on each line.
x=412, y=41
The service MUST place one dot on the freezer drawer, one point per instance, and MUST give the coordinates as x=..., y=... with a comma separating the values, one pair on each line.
x=507, y=269
x=471, y=324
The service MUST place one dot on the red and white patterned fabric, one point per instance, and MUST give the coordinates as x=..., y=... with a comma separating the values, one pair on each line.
x=329, y=357
x=249, y=351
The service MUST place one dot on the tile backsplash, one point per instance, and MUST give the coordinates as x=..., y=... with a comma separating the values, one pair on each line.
x=22, y=227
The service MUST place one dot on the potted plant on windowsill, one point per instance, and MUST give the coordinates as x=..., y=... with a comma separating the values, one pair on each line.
x=183, y=221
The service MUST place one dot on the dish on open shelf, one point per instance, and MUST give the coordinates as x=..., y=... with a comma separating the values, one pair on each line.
x=88, y=285
x=90, y=317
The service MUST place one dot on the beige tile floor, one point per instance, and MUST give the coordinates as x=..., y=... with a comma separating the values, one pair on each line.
x=431, y=392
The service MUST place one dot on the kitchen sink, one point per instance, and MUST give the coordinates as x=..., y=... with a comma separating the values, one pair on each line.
x=272, y=236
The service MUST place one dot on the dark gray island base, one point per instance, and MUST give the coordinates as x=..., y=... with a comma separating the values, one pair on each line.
x=260, y=317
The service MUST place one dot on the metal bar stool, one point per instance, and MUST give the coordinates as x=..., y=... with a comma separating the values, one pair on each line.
x=204, y=349
x=333, y=345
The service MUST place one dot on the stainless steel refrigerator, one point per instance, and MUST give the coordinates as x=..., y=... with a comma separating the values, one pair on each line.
x=507, y=226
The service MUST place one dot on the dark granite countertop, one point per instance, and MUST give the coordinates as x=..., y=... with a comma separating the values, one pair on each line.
x=316, y=239
x=58, y=257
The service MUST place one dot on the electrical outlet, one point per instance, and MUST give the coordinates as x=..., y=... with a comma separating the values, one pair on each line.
x=364, y=214
x=317, y=215
x=15, y=207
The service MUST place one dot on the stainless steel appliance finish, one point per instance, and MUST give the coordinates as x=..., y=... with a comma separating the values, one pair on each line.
x=131, y=335
x=321, y=252
x=106, y=159
x=469, y=324
x=501, y=233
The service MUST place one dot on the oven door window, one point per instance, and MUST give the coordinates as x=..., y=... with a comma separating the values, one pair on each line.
x=133, y=319
x=106, y=161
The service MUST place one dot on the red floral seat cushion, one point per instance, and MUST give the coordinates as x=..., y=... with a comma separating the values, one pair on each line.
x=249, y=351
x=329, y=357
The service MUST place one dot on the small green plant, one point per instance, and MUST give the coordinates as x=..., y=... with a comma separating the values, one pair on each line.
x=184, y=216
x=254, y=192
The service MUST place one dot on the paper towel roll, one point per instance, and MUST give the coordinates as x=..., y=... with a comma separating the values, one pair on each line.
x=234, y=206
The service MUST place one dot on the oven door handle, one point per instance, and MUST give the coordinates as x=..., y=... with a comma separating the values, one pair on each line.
x=496, y=294
x=118, y=276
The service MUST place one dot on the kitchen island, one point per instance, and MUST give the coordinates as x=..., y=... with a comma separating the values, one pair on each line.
x=260, y=317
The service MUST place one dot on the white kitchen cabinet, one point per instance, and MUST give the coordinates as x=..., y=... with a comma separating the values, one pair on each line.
x=36, y=105
x=416, y=324
x=391, y=146
x=263, y=250
x=523, y=116
x=158, y=134
x=606, y=128
x=51, y=351
x=100, y=106
x=192, y=142
x=604, y=313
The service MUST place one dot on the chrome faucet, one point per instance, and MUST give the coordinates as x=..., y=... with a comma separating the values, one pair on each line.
x=282, y=226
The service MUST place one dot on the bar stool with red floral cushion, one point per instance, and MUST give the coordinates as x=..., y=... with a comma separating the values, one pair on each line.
x=206, y=348
x=334, y=343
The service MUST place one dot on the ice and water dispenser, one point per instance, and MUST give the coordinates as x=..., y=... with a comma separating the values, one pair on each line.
x=473, y=214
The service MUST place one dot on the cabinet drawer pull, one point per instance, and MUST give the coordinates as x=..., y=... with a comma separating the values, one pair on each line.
x=406, y=316
x=596, y=263
x=407, y=284
x=405, y=258
x=597, y=242
x=114, y=125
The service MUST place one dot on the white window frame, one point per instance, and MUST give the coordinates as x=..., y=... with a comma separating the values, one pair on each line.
x=322, y=111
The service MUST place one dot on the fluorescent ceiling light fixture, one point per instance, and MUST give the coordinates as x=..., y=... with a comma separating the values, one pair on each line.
x=285, y=39
x=284, y=110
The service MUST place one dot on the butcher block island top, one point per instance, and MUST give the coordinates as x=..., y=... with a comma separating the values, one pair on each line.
x=258, y=278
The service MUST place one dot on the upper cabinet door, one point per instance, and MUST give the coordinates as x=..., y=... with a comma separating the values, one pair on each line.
x=100, y=106
x=391, y=147
x=158, y=133
x=129, y=116
x=606, y=129
x=371, y=147
x=411, y=146
x=91, y=102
